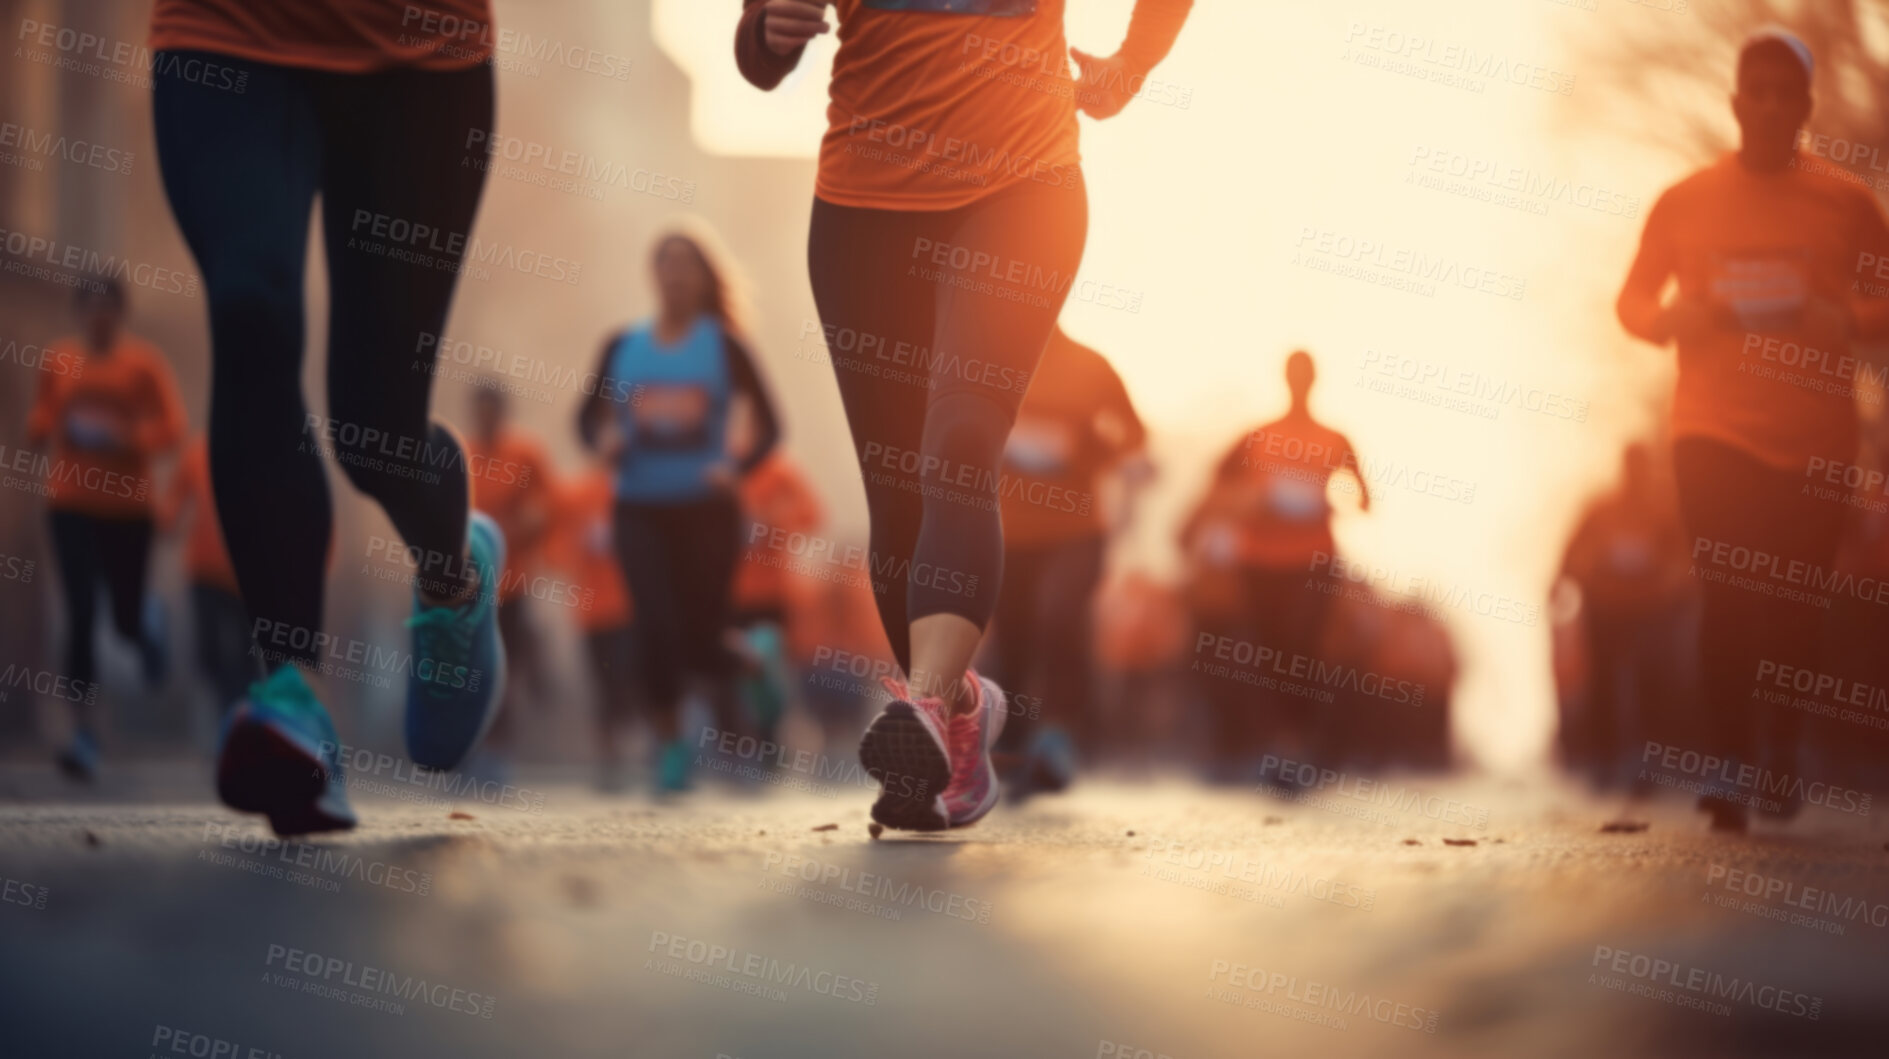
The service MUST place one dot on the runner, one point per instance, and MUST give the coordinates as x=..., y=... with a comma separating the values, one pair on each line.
x=259, y=108
x=511, y=482
x=661, y=412
x=223, y=645
x=949, y=218
x=1768, y=254
x=1276, y=479
x=106, y=410
x=581, y=545
x=1628, y=555
x=1075, y=425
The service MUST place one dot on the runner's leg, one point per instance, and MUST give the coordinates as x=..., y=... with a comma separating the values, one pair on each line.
x=400, y=189
x=1068, y=593
x=75, y=550
x=642, y=539
x=1016, y=634
x=240, y=170
x=1035, y=231
x=124, y=554
x=878, y=318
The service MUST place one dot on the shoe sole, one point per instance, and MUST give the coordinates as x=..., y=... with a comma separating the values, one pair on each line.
x=308, y=819
x=264, y=770
x=912, y=768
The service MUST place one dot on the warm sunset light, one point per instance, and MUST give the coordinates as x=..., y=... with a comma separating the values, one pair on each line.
x=1131, y=529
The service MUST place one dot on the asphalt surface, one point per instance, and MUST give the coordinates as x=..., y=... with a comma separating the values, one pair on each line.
x=1127, y=918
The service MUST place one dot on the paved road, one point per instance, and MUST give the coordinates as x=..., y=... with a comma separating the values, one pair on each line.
x=1128, y=919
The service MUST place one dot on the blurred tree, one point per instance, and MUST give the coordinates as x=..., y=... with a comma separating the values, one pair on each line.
x=1689, y=50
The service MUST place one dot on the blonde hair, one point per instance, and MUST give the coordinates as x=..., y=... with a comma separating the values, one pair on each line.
x=727, y=293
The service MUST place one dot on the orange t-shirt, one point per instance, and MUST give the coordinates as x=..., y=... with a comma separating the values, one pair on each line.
x=932, y=110
x=105, y=418
x=582, y=544
x=342, y=36
x=1279, y=476
x=511, y=481
x=1075, y=421
x=205, y=557
x=1760, y=245
x=777, y=499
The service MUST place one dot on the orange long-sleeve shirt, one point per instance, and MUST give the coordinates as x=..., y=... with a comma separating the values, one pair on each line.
x=99, y=422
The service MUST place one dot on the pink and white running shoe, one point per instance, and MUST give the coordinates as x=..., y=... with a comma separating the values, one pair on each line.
x=904, y=750
x=974, y=789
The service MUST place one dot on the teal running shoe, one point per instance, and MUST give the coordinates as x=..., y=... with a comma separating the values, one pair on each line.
x=458, y=675
x=78, y=760
x=1049, y=765
x=280, y=757
x=765, y=680
x=672, y=767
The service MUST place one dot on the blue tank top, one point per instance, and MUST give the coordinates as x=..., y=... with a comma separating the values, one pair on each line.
x=676, y=412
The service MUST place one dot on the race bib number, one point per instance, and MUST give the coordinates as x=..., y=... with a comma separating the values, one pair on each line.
x=988, y=8
x=599, y=538
x=1630, y=556
x=94, y=425
x=669, y=414
x=1219, y=544
x=1295, y=500
x=1765, y=289
x=1042, y=447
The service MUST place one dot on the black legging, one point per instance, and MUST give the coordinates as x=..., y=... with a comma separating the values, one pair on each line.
x=94, y=552
x=935, y=321
x=223, y=642
x=388, y=153
x=1726, y=495
x=1044, y=627
x=679, y=560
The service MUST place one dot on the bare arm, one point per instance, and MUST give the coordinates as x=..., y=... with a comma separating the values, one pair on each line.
x=1107, y=84
x=772, y=35
x=1639, y=307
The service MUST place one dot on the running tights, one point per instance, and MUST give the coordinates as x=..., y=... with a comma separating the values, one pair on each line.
x=1729, y=498
x=397, y=157
x=935, y=321
x=94, y=551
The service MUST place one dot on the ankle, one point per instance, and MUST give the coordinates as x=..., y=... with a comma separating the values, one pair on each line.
x=957, y=694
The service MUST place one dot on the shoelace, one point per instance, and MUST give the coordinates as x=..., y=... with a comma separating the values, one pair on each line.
x=967, y=748
x=964, y=739
x=443, y=634
x=289, y=695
